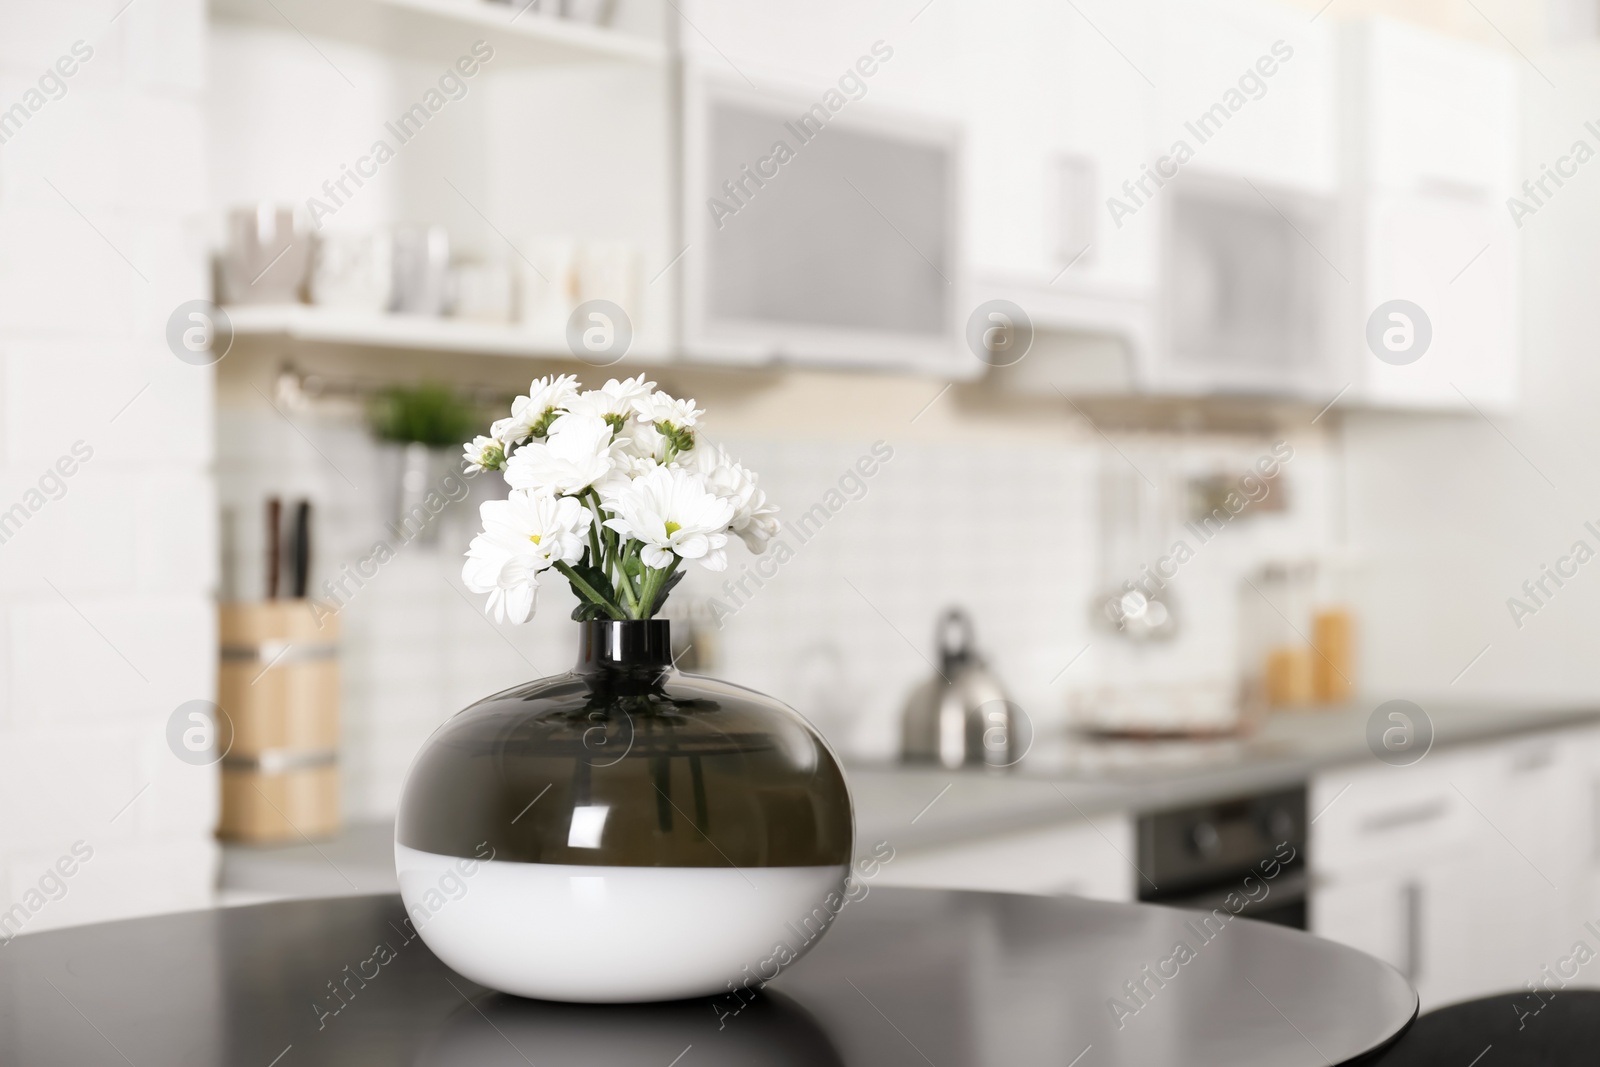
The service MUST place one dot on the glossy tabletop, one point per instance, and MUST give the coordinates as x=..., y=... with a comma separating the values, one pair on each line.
x=905, y=977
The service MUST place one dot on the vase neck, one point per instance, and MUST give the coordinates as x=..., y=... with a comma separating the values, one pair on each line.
x=629, y=645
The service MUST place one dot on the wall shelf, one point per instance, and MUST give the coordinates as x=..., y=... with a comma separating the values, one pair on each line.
x=443, y=30
x=307, y=324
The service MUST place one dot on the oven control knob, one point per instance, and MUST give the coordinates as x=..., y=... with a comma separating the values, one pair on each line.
x=1280, y=825
x=1205, y=840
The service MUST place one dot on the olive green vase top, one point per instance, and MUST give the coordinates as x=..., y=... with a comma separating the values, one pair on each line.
x=662, y=770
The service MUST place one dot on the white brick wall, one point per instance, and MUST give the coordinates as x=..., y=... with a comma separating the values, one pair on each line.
x=107, y=620
x=415, y=651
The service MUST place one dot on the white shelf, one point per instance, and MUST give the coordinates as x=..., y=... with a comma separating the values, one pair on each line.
x=443, y=30
x=307, y=324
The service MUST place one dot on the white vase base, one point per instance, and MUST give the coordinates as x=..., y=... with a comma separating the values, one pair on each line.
x=615, y=934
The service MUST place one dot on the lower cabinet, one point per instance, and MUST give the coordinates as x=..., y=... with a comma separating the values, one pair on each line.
x=1474, y=871
x=1081, y=858
x=1471, y=871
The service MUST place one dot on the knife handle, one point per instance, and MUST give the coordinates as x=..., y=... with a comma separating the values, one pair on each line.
x=302, y=548
x=274, y=544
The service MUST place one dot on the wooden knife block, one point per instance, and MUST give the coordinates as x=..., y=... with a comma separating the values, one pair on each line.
x=279, y=685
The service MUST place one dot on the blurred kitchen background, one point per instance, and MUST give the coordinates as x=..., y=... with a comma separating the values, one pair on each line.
x=988, y=274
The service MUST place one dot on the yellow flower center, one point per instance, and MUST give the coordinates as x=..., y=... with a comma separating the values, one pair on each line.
x=673, y=528
x=534, y=538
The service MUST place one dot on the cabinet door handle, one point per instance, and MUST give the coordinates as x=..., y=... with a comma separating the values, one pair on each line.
x=1398, y=817
x=1527, y=762
x=1411, y=902
x=1594, y=817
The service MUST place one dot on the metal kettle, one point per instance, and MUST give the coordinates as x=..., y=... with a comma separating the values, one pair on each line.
x=960, y=716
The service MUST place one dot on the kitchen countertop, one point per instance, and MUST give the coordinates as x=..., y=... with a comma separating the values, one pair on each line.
x=1067, y=779
x=1060, y=781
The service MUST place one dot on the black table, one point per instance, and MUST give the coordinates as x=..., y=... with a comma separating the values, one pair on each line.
x=905, y=977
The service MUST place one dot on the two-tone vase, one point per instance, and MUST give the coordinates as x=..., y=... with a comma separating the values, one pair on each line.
x=623, y=832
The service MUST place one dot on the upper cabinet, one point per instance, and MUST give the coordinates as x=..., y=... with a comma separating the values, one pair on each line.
x=1431, y=136
x=1250, y=89
x=1427, y=112
x=1452, y=344
x=1245, y=200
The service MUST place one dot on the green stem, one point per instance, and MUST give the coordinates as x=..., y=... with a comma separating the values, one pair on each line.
x=654, y=578
x=609, y=540
x=647, y=594
x=595, y=527
x=625, y=583
x=595, y=596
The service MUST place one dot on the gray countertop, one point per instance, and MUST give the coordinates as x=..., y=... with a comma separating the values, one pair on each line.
x=1061, y=780
x=1066, y=779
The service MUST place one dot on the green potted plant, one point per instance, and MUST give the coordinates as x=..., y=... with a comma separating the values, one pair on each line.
x=423, y=423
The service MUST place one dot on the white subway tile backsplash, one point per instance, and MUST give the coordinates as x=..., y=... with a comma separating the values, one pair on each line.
x=108, y=150
x=176, y=531
x=44, y=417
x=60, y=276
x=106, y=618
x=171, y=422
x=110, y=661
x=76, y=532
x=163, y=158
x=165, y=45
x=125, y=879
x=183, y=800
x=1007, y=530
x=57, y=785
x=48, y=32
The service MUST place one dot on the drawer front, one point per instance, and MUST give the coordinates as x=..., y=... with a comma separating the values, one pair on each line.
x=1381, y=817
x=1079, y=858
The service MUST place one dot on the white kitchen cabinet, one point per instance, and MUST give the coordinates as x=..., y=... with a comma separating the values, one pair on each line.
x=1251, y=88
x=1080, y=858
x=1431, y=155
x=1417, y=919
x=1580, y=830
x=1086, y=69
x=1454, y=255
x=1389, y=148
x=1460, y=870
x=1532, y=803
x=1052, y=104
x=1428, y=110
x=1388, y=850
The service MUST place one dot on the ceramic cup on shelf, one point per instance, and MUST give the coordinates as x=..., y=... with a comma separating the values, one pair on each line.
x=545, y=289
x=623, y=832
x=266, y=256
x=353, y=271
x=593, y=12
x=608, y=270
x=484, y=292
x=547, y=8
x=421, y=270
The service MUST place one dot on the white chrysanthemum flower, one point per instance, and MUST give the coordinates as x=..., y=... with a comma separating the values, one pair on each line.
x=531, y=415
x=522, y=536
x=659, y=407
x=754, y=520
x=643, y=444
x=614, y=401
x=671, y=420
x=484, y=454
x=671, y=512
x=576, y=454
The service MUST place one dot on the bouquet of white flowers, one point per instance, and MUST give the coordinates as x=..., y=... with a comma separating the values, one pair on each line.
x=610, y=488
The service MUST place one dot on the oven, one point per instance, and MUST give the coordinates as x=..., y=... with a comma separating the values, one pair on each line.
x=1246, y=855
